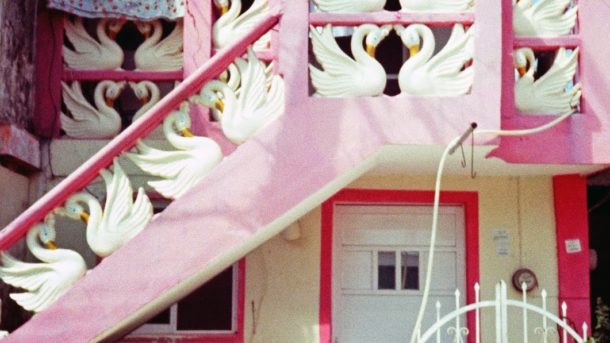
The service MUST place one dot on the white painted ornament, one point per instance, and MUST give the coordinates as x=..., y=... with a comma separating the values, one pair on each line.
x=550, y=93
x=257, y=105
x=444, y=74
x=543, y=18
x=159, y=54
x=86, y=121
x=90, y=53
x=233, y=25
x=119, y=221
x=48, y=280
x=341, y=75
x=179, y=169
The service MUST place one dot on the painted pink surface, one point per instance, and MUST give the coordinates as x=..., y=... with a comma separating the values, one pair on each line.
x=387, y=17
x=470, y=202
x=49, y=36
x=126, y=139
x=583, y=138
x=572, y=223
x=237, y=337
x=20, y=146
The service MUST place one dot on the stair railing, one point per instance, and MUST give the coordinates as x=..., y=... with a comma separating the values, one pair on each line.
x=89, y=170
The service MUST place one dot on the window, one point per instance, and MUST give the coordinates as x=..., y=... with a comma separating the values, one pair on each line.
x=212, y=309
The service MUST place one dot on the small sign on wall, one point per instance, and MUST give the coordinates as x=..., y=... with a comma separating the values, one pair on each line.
x=501, y=238
x=573, y=246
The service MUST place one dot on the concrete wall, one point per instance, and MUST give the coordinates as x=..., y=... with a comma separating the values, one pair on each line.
x=282, y=278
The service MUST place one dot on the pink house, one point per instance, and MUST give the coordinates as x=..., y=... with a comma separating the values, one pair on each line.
x=317, y=228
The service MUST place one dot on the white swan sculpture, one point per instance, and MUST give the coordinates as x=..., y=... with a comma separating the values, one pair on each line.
x=232, y=25
x=44, y=282
x=148, y=93
x=349, y=6
x=119, y=221
x=99, y=122
x=182, y=168
x=449, y=6
x=88, y=53
x=549, y=93
x=446, y=73
x=343, y=76
x=543, y=18
x=256, y=107
x=157, y=54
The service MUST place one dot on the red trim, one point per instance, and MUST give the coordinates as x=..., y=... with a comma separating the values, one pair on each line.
x=469, y=200
x=237, y=337
x=120, y=75
x=572, y=223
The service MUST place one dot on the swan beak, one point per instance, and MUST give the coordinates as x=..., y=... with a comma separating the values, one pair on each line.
x=413, y=50
x=223, y=77
x=370, y=49
x=51, y=245
x=110, y=102
x=144, y=100
x=186, y=133
x=224, y=9
x=219, y=105
x=521, y=70
x=84, y=216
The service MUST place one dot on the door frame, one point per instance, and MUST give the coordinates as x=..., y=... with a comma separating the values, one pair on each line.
x=468, y=200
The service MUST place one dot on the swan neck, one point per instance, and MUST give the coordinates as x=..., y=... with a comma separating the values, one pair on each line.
x=231, y=14
x=155, y=37
x=103, y=36
x=95, y=213
x=172, y=137
x=40, y=252
x=356, y=43
x=428, y=42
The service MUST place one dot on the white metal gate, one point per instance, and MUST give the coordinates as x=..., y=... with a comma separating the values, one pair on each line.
x=545, y=328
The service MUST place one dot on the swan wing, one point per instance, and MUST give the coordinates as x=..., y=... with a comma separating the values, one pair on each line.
x=76, y=102
x=172, y=44
x=349, y=6
x=79, y=37
x=119, y=199
x=166, y=164
x=560, y=74
x=329, y=54
x=253, y=90
x=451, y=58
x=245, y=22
x=29, y=276
x=274, y=104
x=549, y=8
x=140, y=215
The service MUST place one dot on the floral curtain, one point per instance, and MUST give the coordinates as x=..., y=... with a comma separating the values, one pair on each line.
x=128, y=9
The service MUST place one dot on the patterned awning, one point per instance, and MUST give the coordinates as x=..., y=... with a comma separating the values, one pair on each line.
x=128, y=9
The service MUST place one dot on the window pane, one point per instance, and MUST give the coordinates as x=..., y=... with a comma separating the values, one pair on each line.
x=161, y=318
x=386, y=270
x=209, y=307
x=409, y=270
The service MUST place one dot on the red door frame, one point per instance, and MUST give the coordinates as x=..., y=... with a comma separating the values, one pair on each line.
x=469, y=200
x=572, y=225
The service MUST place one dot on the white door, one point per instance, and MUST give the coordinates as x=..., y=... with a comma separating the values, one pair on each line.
x=379, y=264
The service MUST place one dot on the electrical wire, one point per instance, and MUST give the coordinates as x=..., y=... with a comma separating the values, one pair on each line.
x=439, y=174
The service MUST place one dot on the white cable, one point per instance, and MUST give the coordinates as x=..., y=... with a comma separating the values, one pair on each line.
x=437, y=187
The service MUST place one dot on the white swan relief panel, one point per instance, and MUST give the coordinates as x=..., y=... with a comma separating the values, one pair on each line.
x=435, y=62
x=93, y=45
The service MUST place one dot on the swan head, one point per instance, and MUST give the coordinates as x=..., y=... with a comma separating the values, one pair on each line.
x=209, y=95
x=75, y=210
x=47, y=236
x=222, y=5
x=524, y=60
x=410, y=38
x=113, y=27
x=182, y=122
x=113, y=90
x=145, y=28
x=142, y=90
x=375, y=37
